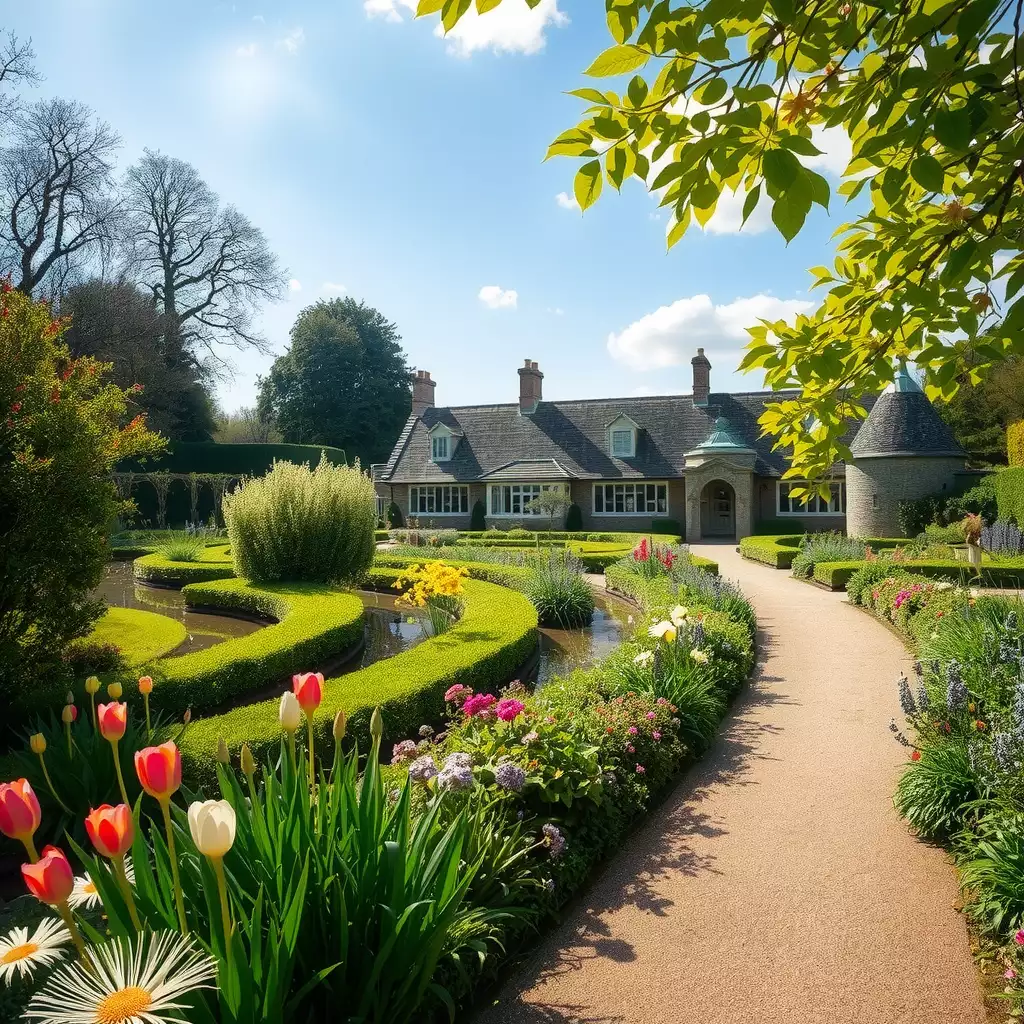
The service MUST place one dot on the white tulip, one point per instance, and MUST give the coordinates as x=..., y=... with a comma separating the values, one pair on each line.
x=212, y=824
x=290, y=714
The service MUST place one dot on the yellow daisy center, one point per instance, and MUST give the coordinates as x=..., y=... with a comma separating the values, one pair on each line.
x=89, y=888
x=16, y=953
x=123, y=1005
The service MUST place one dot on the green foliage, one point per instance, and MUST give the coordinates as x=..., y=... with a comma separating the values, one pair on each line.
x=776, y=551
x=138, y=635
x=725, y=99
x=477, y=518
x=518, y=533
x=573, y=519
x=933, y=790
x=825, y=547
x=63, y=428
x=670, y=527
x=216, y=563
x=1010, y=494
x=559, y=592
x=301, y=524
x=233, y=459
x=393, y=516
x=992, y=872
x=1015, y=443
x=344, y=381
x=183, y=549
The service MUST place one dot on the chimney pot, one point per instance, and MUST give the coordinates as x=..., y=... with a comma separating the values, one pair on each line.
x=530, y=389
x=422, y=392
x=701, y=378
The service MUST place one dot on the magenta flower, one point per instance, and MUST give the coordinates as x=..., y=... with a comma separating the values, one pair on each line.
x=509, y=709
x=1010, y=973
x=640, y=769
x=630, y=749
x=477, y=705
x=1019, y=937
x=632, y=730
x=651, y=714
x=655, y=735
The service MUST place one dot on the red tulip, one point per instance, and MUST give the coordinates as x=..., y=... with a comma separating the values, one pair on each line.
x=113, y=720
x=159, y=770
x=111, y=829
x=308, y=688
x=19, y=810
x=50, y=879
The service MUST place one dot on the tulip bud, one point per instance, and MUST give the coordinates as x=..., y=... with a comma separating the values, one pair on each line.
x=340, y=725
x=248, y=764
x=146, y=685
x=69, y=698
x=222, y=751
x=50, y=879
x=20, y=814
x=289, y=713
x=114, y=691
x=113, y=720
x=111, y=829
x=376, y=724
x=212, y=824
x=187, y=716
x=92, y=685
x=37, y=741
x=159, y=770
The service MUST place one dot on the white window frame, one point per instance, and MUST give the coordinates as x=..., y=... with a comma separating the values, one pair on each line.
x=442, y=436
x=629, y=449
x=629, y=493
x=439, y=495
x=836, y=505
x=508, y=496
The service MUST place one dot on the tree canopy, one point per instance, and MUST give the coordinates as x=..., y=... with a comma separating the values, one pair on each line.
x=343, y=382
x=929, y=266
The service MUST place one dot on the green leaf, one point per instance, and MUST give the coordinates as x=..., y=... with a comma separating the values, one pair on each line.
x=637, y=91
x=622, y=21
x=798, y=144
x=780, y=168
x=953, y=129
x=701, y=121
x=928, y=173
x=751, y=201
x=452, y=11
x=617, y=60
x=790, y=210
x=483, y=6
x=574, y=142
x=587, y=186
x=712, y=92
x=428, y=7
x=678, y=229
x=590, y=95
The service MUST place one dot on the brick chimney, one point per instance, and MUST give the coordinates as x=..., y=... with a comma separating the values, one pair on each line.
x=701, y=378
x=530, y=379
x=422, y=392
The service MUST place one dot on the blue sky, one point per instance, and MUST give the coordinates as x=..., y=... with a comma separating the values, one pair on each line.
x=387, y=163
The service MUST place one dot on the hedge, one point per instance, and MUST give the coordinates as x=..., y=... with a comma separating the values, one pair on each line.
x=139, y=635
x=157, y=570
x=314, y=622
x=236, y=459
x=1010, y=494
x=1015, y=443
x=515, y=577
x=495, y=636
x=776, y=551
x=1007, y=572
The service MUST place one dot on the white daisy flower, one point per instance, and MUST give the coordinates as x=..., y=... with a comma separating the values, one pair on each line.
x=23, y=954
x=84, y=896
x=141, y=981
x=699, y=656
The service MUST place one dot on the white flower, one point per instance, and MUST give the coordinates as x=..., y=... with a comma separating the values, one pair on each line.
x=289, y=714
x=85, y=895
x=644, y=658
x=663, y=631
x=699, y=656
x=629, y=620
x=679, y=615
x=23, y=954
x=212, y=824
x=141, y=981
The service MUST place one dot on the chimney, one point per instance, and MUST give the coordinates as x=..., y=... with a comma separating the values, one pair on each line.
x=422, y=392
x=701, y=378
x=530, y=379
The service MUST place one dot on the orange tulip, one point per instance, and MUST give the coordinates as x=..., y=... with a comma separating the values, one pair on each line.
x=146, y=685
x=308, y=688
x=111, y=829
x=159, y=770
x=113, y=720
x=50, y=879
x=19, y=810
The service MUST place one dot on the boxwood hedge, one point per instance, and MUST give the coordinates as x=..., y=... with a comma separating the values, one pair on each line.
x=776, y=551
x=156, y=570
x=1007, y=572
x=495, y=636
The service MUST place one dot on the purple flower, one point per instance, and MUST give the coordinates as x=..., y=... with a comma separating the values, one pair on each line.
x=906, y=697
x=655, y=735
x=554, y=839
x=423, y=769
x=549, y=884
x=510, y=776
x=455, y=777
x=404, y=751
x=426, y=731
x=459, y=759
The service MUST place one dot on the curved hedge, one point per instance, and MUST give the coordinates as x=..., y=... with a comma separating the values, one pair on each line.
x=315, y=622
x=1007, y=572
x=139, y=635
x=515, y=577
x=776, y=551
x=155, y=569
x=496, y=634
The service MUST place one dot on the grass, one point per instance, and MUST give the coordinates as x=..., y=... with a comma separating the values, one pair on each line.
x=183, y=549
x=140, y=636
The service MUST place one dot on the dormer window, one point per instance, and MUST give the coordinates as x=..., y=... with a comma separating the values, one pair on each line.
x=439, y=447
x=622, y=433
x=442, y=443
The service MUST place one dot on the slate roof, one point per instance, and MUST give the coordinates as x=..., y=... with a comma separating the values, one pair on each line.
x=904, y=422
x=570, y=439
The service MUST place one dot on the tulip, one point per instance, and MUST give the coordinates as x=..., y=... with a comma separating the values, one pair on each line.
x=20, y=814
x=146, y=688
x=113, y=719
x=290, y=716
x=223, y=754
x=51, y=880
x=114, y=691
x=308, y=688
x=376, y=724
x=37, y=743
x=212, y=824
x=112, y=830
x=248, y=764
x=92, y=686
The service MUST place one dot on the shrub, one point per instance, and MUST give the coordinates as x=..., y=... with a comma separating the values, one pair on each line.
x=242, y=459
x=301, y=524
x=215, y=564
x=518, y=533
x=671, y=527
x=992, y=871
x=862, y=577
x=477, y=518
x=559, y=592
x=1003, y=537
x=980, y=500
x=61, y=432
x=393, y=516
x=183, y=549
x=1015, y=443
x=934, y=789
x=914, y=514
x=777, y=551
x=1009, y=485
x=825, y=547
x=573, y=519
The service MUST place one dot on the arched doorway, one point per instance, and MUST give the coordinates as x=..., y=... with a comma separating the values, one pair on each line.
x=718, y=510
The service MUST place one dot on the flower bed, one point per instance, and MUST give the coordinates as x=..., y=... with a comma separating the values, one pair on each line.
x=1007, y=572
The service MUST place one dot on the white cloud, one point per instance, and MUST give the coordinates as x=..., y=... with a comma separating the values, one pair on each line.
x=495, y=297
x=836, y=150
x=249, y=50
x=333, y=287
x=671, y=334
x=293, y=41
x=511, y=28
x=389, y=10
x=566, y=201
x=728, y=216
x=294, y=285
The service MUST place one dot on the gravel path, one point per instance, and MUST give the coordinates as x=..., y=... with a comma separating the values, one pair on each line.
x=776, y=884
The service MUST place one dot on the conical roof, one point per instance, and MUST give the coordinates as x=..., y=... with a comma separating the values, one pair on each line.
x=723, y=438
x=904, y=422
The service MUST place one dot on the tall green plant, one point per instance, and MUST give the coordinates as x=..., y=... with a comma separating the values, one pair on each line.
x=301, y=524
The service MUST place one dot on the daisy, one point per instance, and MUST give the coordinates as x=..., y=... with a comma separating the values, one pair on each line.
x=141, y=981
x=85, y=896
x=20, y=953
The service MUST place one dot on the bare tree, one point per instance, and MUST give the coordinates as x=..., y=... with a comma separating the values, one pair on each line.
x=208, y=267
x=16, y=66
x=57, y=202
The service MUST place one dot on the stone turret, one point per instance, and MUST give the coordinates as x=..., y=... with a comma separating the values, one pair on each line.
x=902, y=451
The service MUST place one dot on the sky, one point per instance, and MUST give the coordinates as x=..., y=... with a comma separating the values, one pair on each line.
x=386, y=162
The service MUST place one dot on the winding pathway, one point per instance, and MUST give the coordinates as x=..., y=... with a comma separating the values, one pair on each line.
x=776, y=884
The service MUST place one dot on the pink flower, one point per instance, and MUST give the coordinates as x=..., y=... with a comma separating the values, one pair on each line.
x=640, y=769
x=474, y=706
x=651, y=715
x=1019, y=937
x=1010, y=973
x=630, y=749
x=655, y=735
x=632, y=730
x=509, y=709
x=455, y=692
x=641, y=552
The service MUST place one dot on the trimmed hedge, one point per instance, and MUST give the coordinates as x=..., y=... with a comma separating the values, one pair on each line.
x=155, y=569
x=774, y=550
x=1010, y=494
x=1005, y=573
x=1015, y=443
x=515, y=577
x=314, y=622
x=139, y=635
x=495, y=635
x=237, y=459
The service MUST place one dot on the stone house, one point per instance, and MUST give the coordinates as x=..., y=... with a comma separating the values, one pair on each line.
x=698, y=461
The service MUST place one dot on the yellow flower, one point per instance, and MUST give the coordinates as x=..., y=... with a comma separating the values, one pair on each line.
x=699, y=656
x=114, y=691
x=37, y=741
x=92, y=685
x=663, y=631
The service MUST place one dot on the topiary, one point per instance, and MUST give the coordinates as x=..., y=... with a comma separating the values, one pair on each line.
x=478, y=517
x=519, y=534
x=573, y=518
x=393, y=517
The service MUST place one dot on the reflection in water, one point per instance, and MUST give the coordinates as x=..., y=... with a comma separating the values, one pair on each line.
x=564, y=650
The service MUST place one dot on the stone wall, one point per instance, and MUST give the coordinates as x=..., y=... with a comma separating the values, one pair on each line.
x=874, y=488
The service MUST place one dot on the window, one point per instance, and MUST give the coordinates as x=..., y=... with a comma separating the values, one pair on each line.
x=622, y=443
x=514, y=499
x=632, y=499
x=439, y=447
x=439, y=501
x=814, y=505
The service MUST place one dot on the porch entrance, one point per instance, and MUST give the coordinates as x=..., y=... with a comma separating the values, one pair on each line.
x=718, y=510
